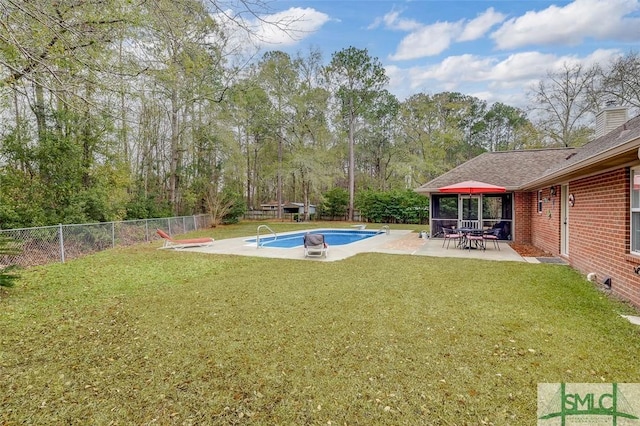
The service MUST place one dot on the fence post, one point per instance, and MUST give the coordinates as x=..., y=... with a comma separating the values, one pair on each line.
x=61, y=239
x=118, y=236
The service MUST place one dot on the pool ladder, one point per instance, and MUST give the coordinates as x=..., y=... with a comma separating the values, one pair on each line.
x=386, y=230
x=275, y=236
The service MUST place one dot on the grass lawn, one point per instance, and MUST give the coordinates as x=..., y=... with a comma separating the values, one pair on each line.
x=145, y=336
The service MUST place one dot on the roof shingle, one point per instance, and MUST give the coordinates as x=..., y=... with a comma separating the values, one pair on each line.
x=510, y=169
x=515, y=169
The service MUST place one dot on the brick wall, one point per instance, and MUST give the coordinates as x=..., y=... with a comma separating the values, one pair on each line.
x=598, y=227
x=522, y=216
x=545, y=225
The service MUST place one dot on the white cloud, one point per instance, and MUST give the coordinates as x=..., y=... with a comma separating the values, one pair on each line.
x=429, y=40
x=602, y=57
x=288, y=27
x=393, y=21
x=492, y=79
x=478, y=27
x=522, y=66
x=571, y=24
x=455, y=68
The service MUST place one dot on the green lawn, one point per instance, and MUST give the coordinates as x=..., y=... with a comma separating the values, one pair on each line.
x=145, y=336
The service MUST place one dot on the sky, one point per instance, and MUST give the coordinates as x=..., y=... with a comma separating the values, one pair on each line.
x=493, y=50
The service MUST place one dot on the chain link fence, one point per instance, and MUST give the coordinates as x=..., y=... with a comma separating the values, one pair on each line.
x=48, y=244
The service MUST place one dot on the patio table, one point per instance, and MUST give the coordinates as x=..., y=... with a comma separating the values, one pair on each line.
x=466, y=243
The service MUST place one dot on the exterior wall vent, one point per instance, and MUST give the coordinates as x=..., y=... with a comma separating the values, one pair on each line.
x=610, y=118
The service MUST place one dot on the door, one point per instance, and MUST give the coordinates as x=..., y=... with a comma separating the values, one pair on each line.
x=469, y=211
x=564, y=217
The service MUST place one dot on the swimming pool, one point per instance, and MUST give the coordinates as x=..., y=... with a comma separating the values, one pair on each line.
x=333, y=237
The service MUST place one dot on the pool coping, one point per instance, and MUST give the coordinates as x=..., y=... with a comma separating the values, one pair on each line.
x=268, y=237
x=396, y=241
x=240, y=247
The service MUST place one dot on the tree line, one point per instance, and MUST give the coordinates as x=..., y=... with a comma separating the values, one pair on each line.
x=135, y=109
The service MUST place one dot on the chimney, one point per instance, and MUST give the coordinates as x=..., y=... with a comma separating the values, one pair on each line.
x=610, y=118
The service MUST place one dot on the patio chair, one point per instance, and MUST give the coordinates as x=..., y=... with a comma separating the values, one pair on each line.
x=315, y=245
x=450, y=234
x=490, y=235
x=475, y=238
x=170, y=243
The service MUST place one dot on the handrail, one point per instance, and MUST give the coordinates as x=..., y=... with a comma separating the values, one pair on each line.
x=386, y=228
x=469, y=224
x=258, y=234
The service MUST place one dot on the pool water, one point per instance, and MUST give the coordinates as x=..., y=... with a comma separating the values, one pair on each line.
x=333, y=237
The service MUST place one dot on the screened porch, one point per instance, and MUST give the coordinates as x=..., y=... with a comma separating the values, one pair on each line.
x=477, y=211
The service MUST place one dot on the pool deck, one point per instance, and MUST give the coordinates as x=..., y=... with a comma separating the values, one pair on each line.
x=401, y=242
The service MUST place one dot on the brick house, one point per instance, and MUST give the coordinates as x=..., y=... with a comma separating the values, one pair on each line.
x=582, y=204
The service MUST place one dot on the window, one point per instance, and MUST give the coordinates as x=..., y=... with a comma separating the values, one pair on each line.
x=635, y=210
x=540, y=201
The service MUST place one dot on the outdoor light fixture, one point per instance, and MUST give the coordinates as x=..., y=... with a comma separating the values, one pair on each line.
x=552, y=190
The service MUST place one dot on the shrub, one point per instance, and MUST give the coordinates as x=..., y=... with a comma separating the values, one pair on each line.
x=393, y=206
x=226, y=207
x=335, y=203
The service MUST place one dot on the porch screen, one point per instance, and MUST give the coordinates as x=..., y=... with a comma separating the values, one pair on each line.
x=496, y=207
x=445, y=207
x=444, y=212
x=497, y=214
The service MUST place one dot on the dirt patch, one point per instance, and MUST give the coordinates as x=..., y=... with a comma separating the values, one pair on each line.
x=528, y=250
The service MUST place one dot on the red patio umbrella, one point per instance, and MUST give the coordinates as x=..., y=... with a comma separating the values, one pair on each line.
x=471, y=187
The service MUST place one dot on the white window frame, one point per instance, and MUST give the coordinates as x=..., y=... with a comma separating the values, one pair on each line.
x=540, y=201
x=634, y=199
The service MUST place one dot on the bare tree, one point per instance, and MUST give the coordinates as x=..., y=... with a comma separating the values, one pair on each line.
x=37, y=35
x=564, y=106
x=621, y=82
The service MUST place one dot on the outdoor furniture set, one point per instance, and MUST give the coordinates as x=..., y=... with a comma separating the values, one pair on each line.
x=469, y=238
